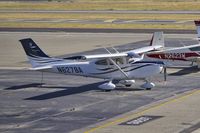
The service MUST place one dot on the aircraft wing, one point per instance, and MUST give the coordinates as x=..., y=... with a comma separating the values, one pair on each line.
x=123, y=54
x=98, y=56
x=156, y=43
x=145, y=49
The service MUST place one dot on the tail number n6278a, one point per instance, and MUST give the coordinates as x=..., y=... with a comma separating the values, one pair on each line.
x=69, y=70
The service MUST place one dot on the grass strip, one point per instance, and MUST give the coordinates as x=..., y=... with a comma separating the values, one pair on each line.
x=100, y=26
x=94, y=16
x=104, y=5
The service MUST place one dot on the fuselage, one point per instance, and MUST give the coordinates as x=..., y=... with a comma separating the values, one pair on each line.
x=186, y=53
x=137, y=70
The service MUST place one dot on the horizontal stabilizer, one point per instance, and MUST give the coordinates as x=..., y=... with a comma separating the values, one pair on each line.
x=41, y=68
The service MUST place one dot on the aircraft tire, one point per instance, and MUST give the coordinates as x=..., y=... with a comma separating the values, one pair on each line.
x=148, y=88
x=128, y=85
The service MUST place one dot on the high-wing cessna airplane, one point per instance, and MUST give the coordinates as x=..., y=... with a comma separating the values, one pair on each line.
x=123, y=67
x=197, y=23
x=185, y=53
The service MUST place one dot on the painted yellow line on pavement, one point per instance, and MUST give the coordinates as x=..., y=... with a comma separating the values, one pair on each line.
x=143, y=111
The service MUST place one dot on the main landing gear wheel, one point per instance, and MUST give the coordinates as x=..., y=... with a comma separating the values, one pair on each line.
x=148, y=89
x=107, y=86
x=106, y=90
x=128, y=85
x=148, y=85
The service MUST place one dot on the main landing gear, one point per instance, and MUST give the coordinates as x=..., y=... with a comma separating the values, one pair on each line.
x=148, y=85
x=108, y=86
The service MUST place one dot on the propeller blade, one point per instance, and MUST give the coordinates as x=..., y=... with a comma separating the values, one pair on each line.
x=165, y=73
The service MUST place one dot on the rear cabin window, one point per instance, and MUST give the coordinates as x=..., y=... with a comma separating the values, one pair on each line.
x=118, y=61
x=101, y=62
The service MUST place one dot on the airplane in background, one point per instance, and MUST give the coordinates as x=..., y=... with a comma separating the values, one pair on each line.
x=197, y=24
x=185, y=53
x=123, y=67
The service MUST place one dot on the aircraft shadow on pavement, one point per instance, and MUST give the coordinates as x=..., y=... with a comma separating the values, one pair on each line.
x=67, y=91
x=74, y=90
x=185, y=71
x=24, y=86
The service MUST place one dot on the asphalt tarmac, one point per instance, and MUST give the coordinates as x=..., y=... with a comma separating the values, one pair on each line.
x=32, y=102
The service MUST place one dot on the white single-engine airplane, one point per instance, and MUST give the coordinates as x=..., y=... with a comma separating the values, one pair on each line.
x=123, y=67
x=185, y=53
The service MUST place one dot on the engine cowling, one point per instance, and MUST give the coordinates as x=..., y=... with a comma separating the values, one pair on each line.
x=107, y=86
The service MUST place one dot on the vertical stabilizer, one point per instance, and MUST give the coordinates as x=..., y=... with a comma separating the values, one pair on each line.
x=35, y=55
x=157, y=39
x=197, y=24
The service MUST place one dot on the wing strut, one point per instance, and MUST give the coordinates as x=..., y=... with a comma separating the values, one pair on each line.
x=118, y=68
x=116, y=64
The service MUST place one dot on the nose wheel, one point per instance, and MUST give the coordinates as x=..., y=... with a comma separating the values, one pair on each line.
x=148, y=89
x=128, y=85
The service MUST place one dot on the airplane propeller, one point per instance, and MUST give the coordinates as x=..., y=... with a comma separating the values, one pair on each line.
x=164, y=71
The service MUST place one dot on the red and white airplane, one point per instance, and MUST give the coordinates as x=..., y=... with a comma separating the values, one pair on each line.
x=185, y=53
x=197, y=23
